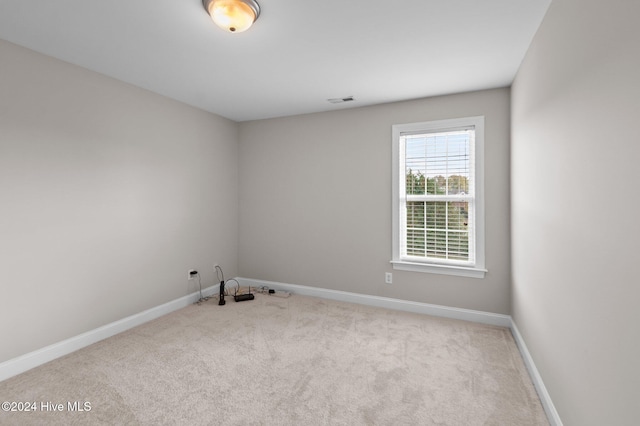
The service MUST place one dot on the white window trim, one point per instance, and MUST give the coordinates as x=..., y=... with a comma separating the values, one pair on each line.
x=478, y=269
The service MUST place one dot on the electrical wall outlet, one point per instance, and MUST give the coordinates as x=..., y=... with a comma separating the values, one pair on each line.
x=191, y=274
x=388, y=277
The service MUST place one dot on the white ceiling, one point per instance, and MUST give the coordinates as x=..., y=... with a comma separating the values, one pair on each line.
x=298, y=54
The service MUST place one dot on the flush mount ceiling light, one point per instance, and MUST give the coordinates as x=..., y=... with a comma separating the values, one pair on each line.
x=234, y=16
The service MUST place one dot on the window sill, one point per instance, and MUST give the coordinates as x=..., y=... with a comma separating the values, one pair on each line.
x=461, y=271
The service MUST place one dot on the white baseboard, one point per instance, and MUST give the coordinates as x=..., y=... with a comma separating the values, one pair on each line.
x=545, y=398
x=386, y=302
x=18, y=365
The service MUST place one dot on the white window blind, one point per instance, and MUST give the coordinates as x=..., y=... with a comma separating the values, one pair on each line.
x=436, y=194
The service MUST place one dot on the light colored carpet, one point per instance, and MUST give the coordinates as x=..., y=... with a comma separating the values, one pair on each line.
x=295, y=361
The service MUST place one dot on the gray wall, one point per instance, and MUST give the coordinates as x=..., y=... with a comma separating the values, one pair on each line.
x=315, y=201
x=109, y=195
x=575, y=153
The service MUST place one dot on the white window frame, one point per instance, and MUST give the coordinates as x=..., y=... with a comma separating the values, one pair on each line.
x=475, y=268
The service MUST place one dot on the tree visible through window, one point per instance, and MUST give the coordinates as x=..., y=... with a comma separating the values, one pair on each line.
x=436, y=193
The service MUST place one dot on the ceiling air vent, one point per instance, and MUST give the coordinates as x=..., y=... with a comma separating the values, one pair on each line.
x=341, y=100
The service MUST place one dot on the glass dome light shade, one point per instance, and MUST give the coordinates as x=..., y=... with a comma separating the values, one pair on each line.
x=234, y=16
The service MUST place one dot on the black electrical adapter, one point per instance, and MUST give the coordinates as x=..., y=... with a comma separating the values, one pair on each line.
x=221, y=299
x=243, y=297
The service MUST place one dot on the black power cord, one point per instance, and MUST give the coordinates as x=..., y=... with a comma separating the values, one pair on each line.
x=202, y=299
x=223, y=288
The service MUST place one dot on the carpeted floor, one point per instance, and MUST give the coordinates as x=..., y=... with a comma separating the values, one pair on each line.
x=294, y=361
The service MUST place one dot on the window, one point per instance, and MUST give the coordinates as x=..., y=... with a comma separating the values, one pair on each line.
x=438, y=206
